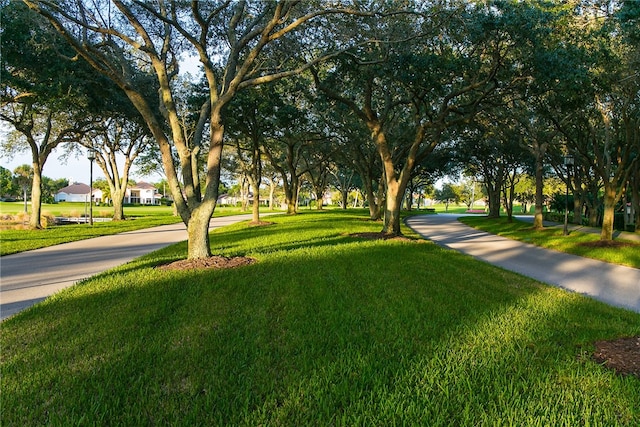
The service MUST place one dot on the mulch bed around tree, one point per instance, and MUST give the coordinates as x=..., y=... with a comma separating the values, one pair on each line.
x=216, y=261
x=622, y=355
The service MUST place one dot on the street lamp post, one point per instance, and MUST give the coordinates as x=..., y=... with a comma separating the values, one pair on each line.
x=568, y=163
x=91, y=155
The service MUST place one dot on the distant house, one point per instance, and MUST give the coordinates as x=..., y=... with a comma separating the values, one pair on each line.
x=141, y=193
x=77, y=192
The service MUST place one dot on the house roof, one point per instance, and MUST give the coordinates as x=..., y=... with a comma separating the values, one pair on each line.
x=75, y=188
x=142, y=186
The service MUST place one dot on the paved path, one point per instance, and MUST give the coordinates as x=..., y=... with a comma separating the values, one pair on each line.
x=613, y=284
x=29, y=277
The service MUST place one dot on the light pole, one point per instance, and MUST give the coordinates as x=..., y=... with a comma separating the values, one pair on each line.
x=568, y=163
x=91, y=155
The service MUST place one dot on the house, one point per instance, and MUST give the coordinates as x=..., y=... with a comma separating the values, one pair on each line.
x=77, y=192
x=142, y=193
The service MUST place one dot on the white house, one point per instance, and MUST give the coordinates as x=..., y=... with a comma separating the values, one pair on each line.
x=77, y=192
x=140, y=193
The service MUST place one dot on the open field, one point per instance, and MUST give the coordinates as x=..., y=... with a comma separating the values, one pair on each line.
x=325, y=329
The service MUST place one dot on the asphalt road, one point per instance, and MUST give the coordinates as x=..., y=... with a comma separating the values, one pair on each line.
x=29, y=277
x=612, y=284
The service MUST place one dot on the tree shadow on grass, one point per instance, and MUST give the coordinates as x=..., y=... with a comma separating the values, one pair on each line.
x=383, y=331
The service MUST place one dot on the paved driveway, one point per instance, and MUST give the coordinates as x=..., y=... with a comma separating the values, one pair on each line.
x=613, y=284
x=29, y=277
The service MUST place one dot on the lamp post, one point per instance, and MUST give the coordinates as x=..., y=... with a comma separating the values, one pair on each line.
x=568, y=163
x=91, y=155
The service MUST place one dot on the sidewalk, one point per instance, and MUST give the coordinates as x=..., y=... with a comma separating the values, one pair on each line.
x=29, y=277
x=612, y=284
x=622, y=235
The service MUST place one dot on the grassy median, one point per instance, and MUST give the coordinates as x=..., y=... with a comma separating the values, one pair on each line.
x=325, y=329
x=582, y=244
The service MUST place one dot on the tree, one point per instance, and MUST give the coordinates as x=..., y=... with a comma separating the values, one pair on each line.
x=118, y=137
x=46, y=96
x=449, y=193
x=436, y=70
x=23, y=177
x=7, y=187
x=230, y=39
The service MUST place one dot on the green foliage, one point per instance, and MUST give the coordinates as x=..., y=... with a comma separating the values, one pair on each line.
x=325, y=329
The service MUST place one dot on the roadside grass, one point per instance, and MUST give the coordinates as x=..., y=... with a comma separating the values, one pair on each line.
x=14, y=241
x=324, y=329
x=19, y=240
x=576, y=243
x=68, y=208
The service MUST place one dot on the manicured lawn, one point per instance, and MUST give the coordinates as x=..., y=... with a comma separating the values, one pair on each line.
x=324, y=329
x=13, y=241
x=552, y=238
x=139, y=217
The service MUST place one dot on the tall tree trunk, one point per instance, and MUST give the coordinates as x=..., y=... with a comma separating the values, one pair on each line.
x=198, y=230
x=345, y=198
x=635, y=196
x=272, y=190
x=494, y=203
x=36, y=198
x=117, y=197
x=609, y=212
x=539, y=203
x=577, y=209
x=392, y=208
x=255, y=206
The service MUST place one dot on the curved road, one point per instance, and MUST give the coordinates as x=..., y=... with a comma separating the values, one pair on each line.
x=29, y=277
x=610, y=283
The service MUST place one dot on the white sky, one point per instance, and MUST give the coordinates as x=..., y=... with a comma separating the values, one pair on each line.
x=74, y=169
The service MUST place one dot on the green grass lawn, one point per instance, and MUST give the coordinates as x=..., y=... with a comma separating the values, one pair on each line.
x=19, y=240
x=324, y=329
x=576, y=243
x=68, y=208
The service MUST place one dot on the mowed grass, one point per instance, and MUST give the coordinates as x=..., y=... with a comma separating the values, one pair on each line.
x=19, y=240
x=576, y=243
x=324, y=329
x=138, y=217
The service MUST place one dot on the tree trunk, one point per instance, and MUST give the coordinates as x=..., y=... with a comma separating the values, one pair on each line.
x=609, y=213
x=36, y=198
x=494, y=193
x=577, y=209
x=345, y=198
x=539, y=203
x=198, y=231
x=117, y=197
x=255, y=206
x=392, y=209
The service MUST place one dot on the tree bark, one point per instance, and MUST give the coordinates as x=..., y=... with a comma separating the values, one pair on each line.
x=117, y=197
x=36, y=197
x=609, y=213
x=539, y=203
x=198, y=231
